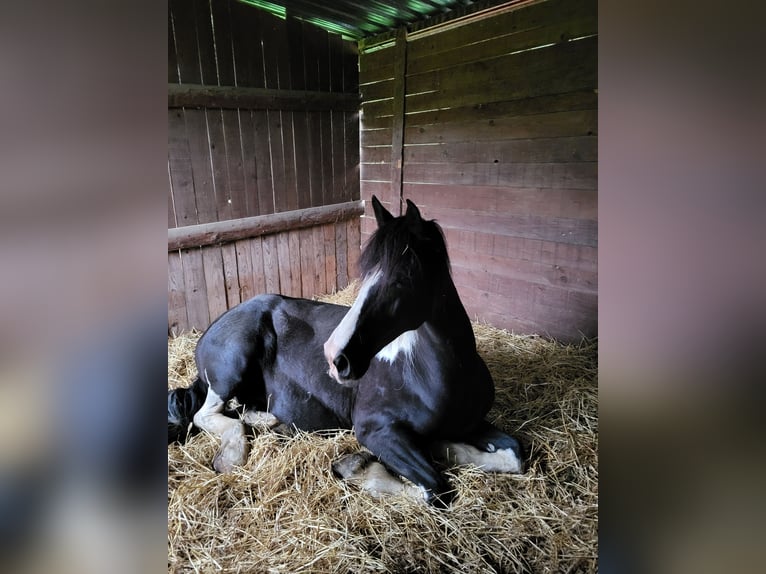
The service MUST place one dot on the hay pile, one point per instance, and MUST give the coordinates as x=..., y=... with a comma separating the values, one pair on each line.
x=285, y=512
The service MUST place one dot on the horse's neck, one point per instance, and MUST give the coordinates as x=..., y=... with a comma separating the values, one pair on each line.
x=449, y=321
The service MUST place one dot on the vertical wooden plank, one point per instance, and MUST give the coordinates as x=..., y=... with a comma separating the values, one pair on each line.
x=397, y=138
x=240, y=172
x=308, y=288
x=214, y=280
x=256, y=258
x=353, y=246
x=285, y=272
x=271, y=264
x=325, y=119
x=177, y=320
x=220, y=164
x=284, y=78
x=195, y=289
x=331, y=278
x=351, y=155
x=337, y=121
x=249, y=168
x=295, y=43
x=244, y=269
x=171, y=208
x=246, y=45
x=199, y=152
x=205, y=43
x=320, y=279
x=185, y=33
x=179, y=165
x=341, y=254
x=295, y=261
x=223, y=41
x=172, y=58
x=313, y=39
x=231, y=274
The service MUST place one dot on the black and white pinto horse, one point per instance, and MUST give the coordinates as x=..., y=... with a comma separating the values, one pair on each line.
x=400, y=367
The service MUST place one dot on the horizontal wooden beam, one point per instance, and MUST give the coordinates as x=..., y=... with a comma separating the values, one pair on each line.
x=247, y=227
x=231, y=97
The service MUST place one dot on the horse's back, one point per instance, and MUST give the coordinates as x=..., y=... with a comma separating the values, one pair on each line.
x=267, y=351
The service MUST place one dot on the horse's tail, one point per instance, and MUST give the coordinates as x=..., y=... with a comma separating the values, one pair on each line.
x=183, y=403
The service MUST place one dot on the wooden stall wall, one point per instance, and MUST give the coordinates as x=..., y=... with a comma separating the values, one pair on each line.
x=263, y=119
x=491, y=127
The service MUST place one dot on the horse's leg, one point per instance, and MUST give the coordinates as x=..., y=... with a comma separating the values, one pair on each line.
x=362, y=470
x=488, y=448
x=234, y=448
x=398, y=448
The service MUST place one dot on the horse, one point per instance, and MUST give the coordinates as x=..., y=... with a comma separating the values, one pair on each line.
x=400, y=367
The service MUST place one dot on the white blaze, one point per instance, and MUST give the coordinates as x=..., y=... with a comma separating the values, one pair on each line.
x=404, y=343
x=342, y=333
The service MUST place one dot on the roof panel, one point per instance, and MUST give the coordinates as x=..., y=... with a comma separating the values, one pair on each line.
x=357, y=19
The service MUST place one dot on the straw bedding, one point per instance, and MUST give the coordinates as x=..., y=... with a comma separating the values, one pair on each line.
x=284, y=511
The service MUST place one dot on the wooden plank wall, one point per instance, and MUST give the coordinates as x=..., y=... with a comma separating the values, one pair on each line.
x=226, y=164
x=500, y=146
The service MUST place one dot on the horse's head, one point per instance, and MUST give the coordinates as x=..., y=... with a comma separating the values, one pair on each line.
x=402, y=265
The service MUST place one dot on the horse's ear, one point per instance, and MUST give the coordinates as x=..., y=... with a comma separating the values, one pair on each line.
x=412, y=215
x=382, y=215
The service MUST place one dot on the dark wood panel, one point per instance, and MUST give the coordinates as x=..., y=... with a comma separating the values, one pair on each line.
x=554, y=229
x=565, y=102
x=559, y=275
x=205, y=43
x=177, y=320
x=520, y=68
x=271, y=264
x=353, y=241
x=256, y=259
x=582, y=257
x=578, y=123
x=219, y=164
x=376, y=137
x=264, y=179
x=378, y=90
x=500, y=46
x=307, y=262
x=514, y=21
x=285, y=271
x=231, y=274
x=245, y=269
x=576, y=73
x=195, y=289
x=320, y=277
x=240, y=168
x=524, y=298
x=375, y=59
x=234, y=97
x=539, y=150
x=223, y=42
x=180, y=170
x=566, y=203
x=246, y=41
x=294, y=241
x=352, y=155
x=341, y=256
x=214, y=281
x=185, y=33
x=331, y=278
x=300, y=159
x=549, y=175
x=380, y=172
x=199, y=153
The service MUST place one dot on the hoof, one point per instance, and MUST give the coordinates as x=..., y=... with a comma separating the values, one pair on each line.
x=229, y=457
x=351, y=465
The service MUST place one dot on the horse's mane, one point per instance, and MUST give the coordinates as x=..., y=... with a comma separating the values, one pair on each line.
x=396, y=246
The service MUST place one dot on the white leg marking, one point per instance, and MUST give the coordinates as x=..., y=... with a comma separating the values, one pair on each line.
x=501, y=460
x=372, y=477
x=260, y=419
x=234, y=448
x=340, y=337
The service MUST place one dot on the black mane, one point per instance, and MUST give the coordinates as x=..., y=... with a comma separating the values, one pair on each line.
x=396, y=245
